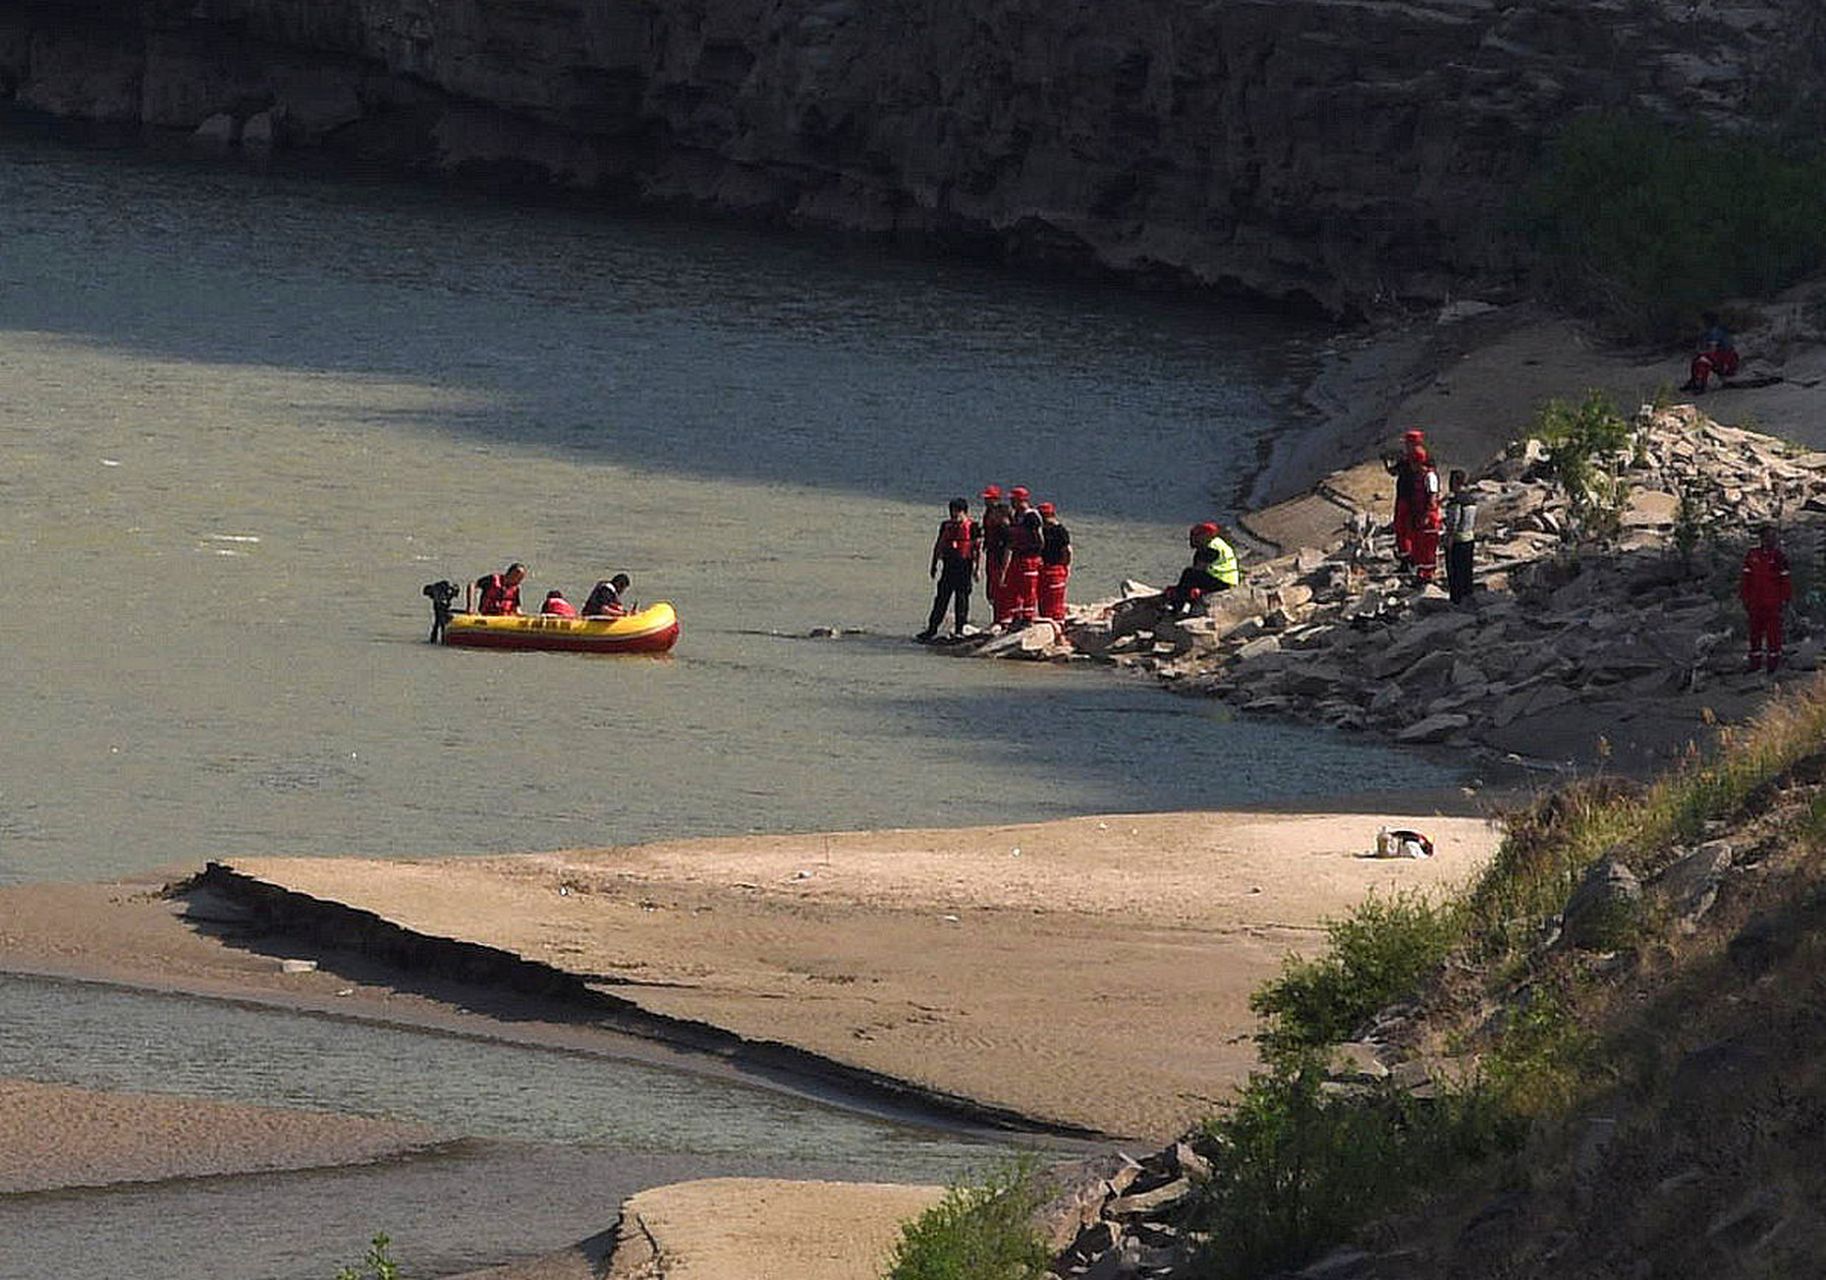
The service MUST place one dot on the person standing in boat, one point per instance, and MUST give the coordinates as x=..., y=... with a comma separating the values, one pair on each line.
x=605, y=598
x=501, y=591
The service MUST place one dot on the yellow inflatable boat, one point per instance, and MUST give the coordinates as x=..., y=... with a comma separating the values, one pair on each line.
x=653, y=629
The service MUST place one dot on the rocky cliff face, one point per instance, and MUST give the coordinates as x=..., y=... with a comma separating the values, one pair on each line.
x=1343, y=152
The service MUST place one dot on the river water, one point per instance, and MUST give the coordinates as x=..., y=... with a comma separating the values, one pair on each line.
x=246, y=415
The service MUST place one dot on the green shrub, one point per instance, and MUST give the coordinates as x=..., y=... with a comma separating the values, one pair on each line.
x=378, y=1265
x=1581, y=440
x=1541, y=1063
x=1297, y=1168
x=1379, y=953
x=1648, y=224
x=979, y=1231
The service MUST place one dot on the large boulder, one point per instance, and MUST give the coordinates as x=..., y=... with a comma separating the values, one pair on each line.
x=1602, y=909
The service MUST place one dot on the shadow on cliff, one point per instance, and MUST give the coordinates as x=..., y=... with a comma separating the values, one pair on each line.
x=699, y=349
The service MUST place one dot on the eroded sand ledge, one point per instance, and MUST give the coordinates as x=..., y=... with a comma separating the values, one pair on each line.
x=1092, y=973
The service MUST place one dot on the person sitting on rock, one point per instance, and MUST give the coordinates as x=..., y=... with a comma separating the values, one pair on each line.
x=1716, y=355
x=605, y=598
x=1214, y=568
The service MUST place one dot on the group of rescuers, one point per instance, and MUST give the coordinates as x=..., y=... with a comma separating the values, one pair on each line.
x=500, y=594
x=1022, y=553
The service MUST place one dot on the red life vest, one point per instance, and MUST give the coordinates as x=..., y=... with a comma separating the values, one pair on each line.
x=560, y=606
x=497, y=596
x=957, y=539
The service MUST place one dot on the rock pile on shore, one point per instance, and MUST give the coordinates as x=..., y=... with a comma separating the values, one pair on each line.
x=1559, y=622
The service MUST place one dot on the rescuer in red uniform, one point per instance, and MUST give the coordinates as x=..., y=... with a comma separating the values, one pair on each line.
x=501, y=591
x=1055, y=563
x=1020, y=598
x=955, y=553
x=1765, y=589
x=994, y=534
x=557, y=605
x=1417, y=514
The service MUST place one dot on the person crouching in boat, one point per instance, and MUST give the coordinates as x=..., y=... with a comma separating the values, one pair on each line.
x=501, y=591
x=605, y=598
x=556, y=604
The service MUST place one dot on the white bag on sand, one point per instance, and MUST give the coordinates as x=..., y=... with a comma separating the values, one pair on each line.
x=1402, y=844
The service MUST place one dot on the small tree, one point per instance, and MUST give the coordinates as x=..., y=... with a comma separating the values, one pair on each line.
x=1583, y=443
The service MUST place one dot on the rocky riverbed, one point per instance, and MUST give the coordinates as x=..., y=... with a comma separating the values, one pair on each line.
x=1572, y=645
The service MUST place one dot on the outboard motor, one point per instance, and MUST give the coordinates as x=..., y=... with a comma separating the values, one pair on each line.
x=442, y=595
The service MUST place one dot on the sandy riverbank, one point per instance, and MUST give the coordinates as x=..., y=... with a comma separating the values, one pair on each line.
x=54, y=1136
x=1092, y=972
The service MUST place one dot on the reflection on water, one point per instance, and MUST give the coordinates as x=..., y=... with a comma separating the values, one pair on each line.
x=246, y=417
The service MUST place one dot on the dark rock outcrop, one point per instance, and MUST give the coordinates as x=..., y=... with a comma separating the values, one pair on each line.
x=1341, y=152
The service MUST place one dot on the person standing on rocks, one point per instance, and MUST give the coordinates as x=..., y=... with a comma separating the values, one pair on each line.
x=1020, y=598
x=954, y=564
x=1055, y=563
x=994, y=534
x=1461, y=537
x=1416, y=504
x=1765, y=588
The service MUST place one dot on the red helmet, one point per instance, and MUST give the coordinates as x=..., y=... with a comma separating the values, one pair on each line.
x=1047, y=509
x=1208, y=529
x=1414, y=435
x=992, y=492
x=1018, y=493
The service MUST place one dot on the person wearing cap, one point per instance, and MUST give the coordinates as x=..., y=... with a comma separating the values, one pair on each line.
x=1416, y=503
x=1055, y=563
x=955, y=553
x=1765, y=587
x=501, y=591
x=993, y=530
x=1417, y=515
x=1020, y=598
x=557, y=605
x=1214, y=568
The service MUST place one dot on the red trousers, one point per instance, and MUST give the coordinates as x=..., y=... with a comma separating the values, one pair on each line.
x=1053, y=578
x=1404, y=530
x=1765, y=629
x=1424, y=553
x=1019, y=599
x=1706, y=363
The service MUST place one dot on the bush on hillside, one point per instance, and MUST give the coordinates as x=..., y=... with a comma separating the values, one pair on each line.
x=1376, y=955
x=1297, y=1168
x=981, y=1230
x=1648, y=224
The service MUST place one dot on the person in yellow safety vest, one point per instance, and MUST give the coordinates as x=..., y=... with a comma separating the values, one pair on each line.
x=1214, y=568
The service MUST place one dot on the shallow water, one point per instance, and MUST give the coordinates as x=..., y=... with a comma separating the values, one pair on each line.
x=556, y=1139
x=247, y=415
